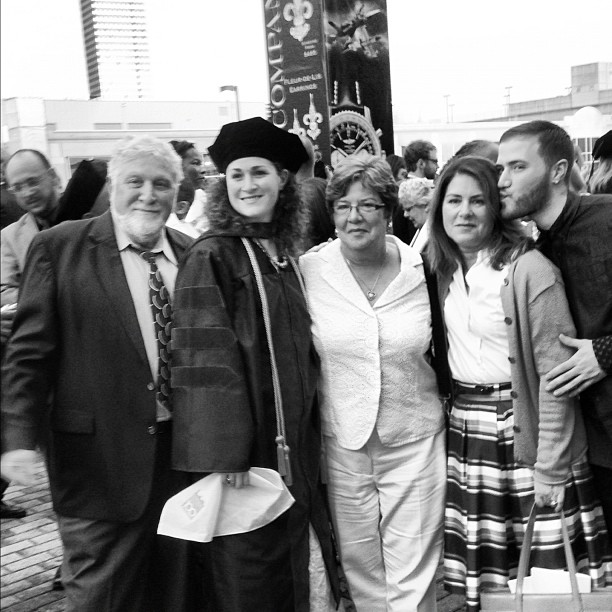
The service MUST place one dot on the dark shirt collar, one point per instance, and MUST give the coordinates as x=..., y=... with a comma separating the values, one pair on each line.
x=564, y=221
x=42, y=223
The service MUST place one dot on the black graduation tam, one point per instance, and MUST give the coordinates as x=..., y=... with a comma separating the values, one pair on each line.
x=257, y=137
x=603, y=146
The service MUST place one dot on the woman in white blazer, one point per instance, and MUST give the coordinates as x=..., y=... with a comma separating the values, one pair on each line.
x=382, y=418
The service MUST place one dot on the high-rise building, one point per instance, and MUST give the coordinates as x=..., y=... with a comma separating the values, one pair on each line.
x=116, y=48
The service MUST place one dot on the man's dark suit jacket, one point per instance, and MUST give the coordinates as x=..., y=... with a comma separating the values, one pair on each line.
x=77, y=339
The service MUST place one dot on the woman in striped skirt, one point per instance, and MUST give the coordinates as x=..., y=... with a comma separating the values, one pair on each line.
x=510, y=441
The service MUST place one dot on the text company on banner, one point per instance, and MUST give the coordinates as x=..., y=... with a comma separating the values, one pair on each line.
x=297, y=71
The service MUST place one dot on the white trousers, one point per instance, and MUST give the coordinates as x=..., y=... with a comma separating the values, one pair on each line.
x=387, y=506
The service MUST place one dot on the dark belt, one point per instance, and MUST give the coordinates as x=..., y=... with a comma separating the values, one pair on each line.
x=460, y=387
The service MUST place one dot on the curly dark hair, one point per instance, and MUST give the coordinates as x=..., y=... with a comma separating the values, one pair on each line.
x=290, y=216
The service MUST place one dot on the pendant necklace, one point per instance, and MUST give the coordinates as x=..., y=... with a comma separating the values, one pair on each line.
x=278, y=262
x=370, y=293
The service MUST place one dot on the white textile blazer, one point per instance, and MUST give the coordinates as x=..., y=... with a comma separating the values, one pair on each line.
x=375, y=369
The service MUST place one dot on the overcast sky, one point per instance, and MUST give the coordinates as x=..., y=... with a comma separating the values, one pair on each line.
x=471, y=50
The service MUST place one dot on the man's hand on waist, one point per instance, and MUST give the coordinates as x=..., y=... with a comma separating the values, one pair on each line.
x=580, y=371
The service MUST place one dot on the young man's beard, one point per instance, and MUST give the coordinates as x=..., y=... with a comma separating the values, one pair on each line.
x=531, y=202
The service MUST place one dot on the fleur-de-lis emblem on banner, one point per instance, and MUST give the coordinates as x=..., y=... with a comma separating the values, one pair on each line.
x=298, y=11
x=297, y=129
x=312, y=119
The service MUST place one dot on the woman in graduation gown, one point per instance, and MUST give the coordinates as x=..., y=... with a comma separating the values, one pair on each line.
x=225, y=419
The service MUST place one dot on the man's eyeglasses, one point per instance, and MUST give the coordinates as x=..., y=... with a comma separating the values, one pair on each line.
x=366, y=208
x=433, y=161
x=30, y=183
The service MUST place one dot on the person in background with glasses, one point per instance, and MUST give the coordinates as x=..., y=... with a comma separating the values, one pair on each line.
x=421, y=159
x=35, y=186
x=382, y=418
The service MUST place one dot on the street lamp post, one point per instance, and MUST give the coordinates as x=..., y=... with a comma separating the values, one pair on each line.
x=233, y=88
x=508, y=88
x=446, y=97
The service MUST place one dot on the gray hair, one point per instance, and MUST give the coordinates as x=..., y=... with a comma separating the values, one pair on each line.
x=414, y=191
x=134, y=147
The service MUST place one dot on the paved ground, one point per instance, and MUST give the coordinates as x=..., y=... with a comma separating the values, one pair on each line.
x=31, y=552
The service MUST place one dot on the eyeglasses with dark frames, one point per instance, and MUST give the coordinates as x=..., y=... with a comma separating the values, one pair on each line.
x=343, y=209
x=30, y=183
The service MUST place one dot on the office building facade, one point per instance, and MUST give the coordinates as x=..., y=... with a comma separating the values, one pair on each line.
x=116, y=49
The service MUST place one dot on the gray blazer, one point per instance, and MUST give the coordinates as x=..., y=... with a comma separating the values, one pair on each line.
x=15, y=241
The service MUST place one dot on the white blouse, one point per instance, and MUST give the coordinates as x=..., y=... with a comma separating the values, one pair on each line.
x=477, y=337
x=374, y=369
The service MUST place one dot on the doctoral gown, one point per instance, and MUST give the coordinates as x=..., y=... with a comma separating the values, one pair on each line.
x=224, y=416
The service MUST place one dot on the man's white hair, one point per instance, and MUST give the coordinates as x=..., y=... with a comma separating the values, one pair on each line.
x=135, y=147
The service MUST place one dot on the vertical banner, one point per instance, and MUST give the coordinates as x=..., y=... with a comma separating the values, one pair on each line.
x=357, y=46
x=297, y=71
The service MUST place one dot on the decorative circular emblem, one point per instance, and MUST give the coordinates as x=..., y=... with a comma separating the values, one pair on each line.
x=351, y=134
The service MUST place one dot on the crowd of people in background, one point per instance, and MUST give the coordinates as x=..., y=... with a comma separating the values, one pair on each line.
x=423, y=353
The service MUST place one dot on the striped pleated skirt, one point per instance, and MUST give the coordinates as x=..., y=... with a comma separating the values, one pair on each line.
x=489, y=497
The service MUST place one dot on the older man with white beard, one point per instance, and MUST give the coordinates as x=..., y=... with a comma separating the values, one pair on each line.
x=91, y=330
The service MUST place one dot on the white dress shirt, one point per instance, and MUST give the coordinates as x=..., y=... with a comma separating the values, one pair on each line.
x=477, y=336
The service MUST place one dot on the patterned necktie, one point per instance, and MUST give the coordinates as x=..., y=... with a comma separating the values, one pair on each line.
x=162, y=318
